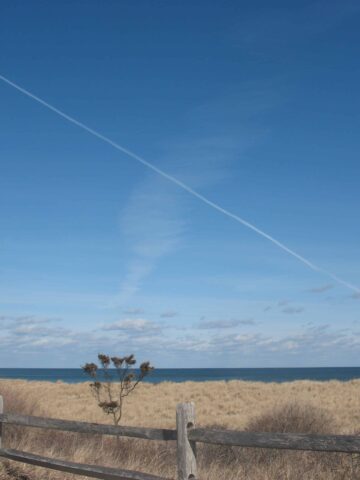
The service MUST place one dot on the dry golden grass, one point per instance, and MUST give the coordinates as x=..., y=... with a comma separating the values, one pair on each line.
x=307, y=406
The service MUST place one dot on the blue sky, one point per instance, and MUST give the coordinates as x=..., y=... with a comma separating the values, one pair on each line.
x=254, y=105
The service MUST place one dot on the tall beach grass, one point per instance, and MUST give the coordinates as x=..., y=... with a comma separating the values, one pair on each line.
x=303, y=406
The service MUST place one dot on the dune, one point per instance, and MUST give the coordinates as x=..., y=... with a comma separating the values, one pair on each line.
x=233, y=405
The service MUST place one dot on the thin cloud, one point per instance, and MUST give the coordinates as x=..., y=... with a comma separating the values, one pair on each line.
x=29, y=331
x=12, y=322
x=220, y=324
x=133, y=311
x=183, y=186
x=14, y=318
x=141, y=335
x=151, y=208
x=321, y=288
x=134, y=325
x=316, y=339
x=169, y=314
x=292, y=310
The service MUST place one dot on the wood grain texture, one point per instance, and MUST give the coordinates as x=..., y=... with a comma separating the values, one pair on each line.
x=85, y=427
x=289, y=441
x=186, y=450
x=95, y=471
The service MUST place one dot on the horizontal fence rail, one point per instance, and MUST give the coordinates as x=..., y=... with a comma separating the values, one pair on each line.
x=95, y=471
x=186, y=435
x=288, y=441
x=85, y=427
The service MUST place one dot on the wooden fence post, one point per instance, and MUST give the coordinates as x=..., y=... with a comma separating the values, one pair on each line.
x=186, y=450
x=1, y=411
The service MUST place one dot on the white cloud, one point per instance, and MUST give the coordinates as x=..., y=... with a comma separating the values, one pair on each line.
x=29, y=331
x=146, y=338
x=220, y=324
x=134, y=325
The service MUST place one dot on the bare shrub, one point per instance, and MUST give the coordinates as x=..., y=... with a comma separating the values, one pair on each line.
x=110, y=396
x=274, y=463
x=294, y=418
x=290, y=418
x=299, y=418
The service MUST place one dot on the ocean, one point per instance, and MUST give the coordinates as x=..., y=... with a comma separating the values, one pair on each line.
x=76, y=375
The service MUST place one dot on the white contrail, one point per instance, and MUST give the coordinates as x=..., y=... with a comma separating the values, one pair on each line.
x=182, y=185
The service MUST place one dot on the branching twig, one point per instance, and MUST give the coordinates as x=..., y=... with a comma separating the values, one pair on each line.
x=104, y=387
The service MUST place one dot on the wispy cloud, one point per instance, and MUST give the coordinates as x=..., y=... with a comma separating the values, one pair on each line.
x=220, y=324
x=168, y=314
x=31, y=331
x=134, y=311
x=269, y=28
x=182, y=185
x=14, y=318
x=18, y=322
x=315, y=339
x=144, y=337
x=137, y=271
x=153, y=227
x=292, y=310
x=321, y=288
x=134, y=325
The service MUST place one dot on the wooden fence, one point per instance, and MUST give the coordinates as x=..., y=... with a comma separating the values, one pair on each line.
x=186, y=435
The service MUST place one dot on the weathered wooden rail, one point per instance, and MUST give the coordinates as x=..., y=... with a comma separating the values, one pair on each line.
x=186, y=435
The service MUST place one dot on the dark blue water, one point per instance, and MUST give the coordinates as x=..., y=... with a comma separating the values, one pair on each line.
x=76, y=375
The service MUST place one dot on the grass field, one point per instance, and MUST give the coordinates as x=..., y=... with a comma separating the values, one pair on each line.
x=302, y=406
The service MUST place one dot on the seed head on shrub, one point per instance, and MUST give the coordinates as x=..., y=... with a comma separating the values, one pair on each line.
x=114, y=380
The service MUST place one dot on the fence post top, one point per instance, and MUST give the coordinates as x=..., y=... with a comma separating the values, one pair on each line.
x=185, y=405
